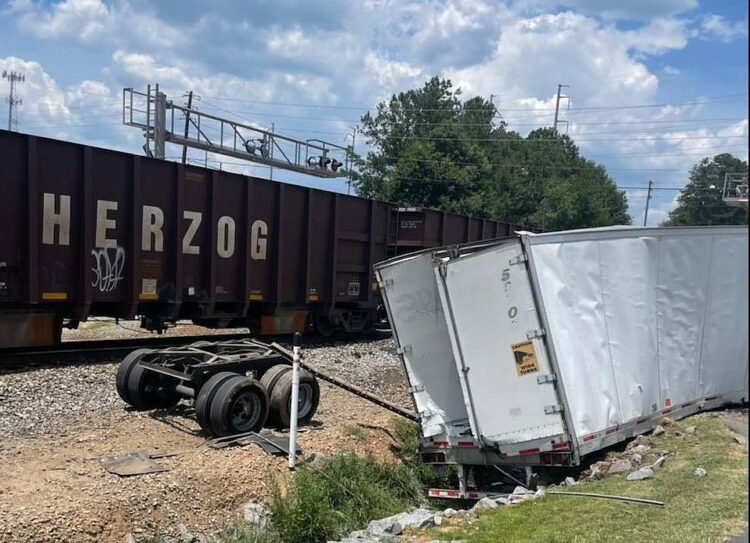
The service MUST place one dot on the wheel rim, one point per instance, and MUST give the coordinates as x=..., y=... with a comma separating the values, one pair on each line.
x=246, y=411
x=304, y=402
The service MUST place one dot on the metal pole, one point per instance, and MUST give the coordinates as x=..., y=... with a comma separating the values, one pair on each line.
x=295, y=401
x=648, y=200
x=187, y=125
x=351, y=163
x=560, y=87
x=270, y=149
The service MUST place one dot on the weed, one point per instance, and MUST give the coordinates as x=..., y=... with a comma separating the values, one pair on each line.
x=341, y=494
x=408, y=434
x=355, y=431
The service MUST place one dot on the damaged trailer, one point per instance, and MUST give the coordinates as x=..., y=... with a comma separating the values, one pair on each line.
x=540, y=350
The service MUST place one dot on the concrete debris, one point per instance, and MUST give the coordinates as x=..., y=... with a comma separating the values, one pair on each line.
x=185, y=534
x=619, y=466
x=690, y=430
x=740, y=439
x=484, y=503
x=315, y=457
x=386, y=529
x=521, y=490
x=569, y=481
x=658, y=430
x=636, y=458
x=448, y=513
x=640, y=449
x=668, y=422
x=255, y=515
x=643, y=473
x=700, y=472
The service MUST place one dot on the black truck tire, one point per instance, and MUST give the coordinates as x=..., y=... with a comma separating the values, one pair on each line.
x=206, y=395
x=281, y=399
x=151, y=390
x=272, y=375
x=240, y=405
x=123, y=372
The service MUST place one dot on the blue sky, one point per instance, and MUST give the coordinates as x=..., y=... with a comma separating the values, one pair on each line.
x=337, y=58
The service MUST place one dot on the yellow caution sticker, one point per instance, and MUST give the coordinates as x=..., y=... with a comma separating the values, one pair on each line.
x=525, y=358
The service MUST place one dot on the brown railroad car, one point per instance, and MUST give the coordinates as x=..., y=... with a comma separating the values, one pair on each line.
x=95, y=232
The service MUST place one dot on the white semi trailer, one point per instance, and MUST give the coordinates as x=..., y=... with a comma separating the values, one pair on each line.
x=538, y=350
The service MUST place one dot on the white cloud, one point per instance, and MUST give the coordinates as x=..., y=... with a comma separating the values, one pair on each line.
x=630, y=9
x=711, y=26
x=42, y=97
x=671, y=70
x=94, y=22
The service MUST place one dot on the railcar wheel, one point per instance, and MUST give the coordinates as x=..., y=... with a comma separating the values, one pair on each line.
x=240, y=405
x=272, y=375
x=123, y=372
x=206, y=395
x=151, y=390
x=281, y=399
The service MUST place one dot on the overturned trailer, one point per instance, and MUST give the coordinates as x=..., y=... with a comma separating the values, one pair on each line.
x=540, y=350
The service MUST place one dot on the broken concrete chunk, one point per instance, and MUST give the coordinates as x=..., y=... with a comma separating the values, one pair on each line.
x=255, y=514
x=569, y=481
x=690, y=430
x=419, y=518
x=450, y=512
x=740, y=439
x=484, y=503
x=700, y=472
x=619, y=466
x=658, y=430
x=643, y=473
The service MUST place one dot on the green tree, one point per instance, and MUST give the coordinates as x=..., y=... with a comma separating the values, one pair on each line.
x=431, y=149
x=700, y=201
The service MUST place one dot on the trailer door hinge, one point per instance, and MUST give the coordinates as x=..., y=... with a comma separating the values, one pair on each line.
x=416, y=388
x=443, y=270
x=532, y=334
x=518, y=259
x=384, y=284
x=544, y=379
x=552, y=409
x=404, y=350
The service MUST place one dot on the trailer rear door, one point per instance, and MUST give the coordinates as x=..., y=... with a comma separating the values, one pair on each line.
x=500, y=355
x=414, y=310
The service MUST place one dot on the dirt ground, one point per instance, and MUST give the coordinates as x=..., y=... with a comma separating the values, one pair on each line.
x=53, y=489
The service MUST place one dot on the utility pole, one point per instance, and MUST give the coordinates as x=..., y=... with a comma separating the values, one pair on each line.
x=187, y=125
x=349, y=177
x=13, y=102
x=648, y=200
x=560, y=96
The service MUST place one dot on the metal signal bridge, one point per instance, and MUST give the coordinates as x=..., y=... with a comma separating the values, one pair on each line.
x=159, y=119
x=735, y=191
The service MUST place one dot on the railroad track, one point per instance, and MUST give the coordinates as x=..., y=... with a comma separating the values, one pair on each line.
x=92, y=351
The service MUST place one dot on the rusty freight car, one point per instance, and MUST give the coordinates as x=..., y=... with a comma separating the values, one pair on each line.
x=95, y=232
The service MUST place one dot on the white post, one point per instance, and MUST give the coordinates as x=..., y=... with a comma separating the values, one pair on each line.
x=295, y=401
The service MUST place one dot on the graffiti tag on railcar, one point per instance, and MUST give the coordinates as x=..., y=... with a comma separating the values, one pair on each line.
x=108, y=268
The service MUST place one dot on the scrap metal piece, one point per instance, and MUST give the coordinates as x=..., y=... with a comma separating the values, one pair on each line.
x=132, y=463
x=270, y=443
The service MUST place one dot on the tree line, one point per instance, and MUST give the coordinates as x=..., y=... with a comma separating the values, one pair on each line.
x=429, y=148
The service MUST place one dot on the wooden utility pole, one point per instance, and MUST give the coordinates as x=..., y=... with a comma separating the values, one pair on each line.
x=648, y=200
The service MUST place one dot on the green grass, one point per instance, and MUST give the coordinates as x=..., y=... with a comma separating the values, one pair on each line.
x=341, y=494
x=407, y=433
x=700, y=510
x=355, y=431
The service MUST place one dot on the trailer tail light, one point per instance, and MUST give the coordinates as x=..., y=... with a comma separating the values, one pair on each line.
x=434, y=457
